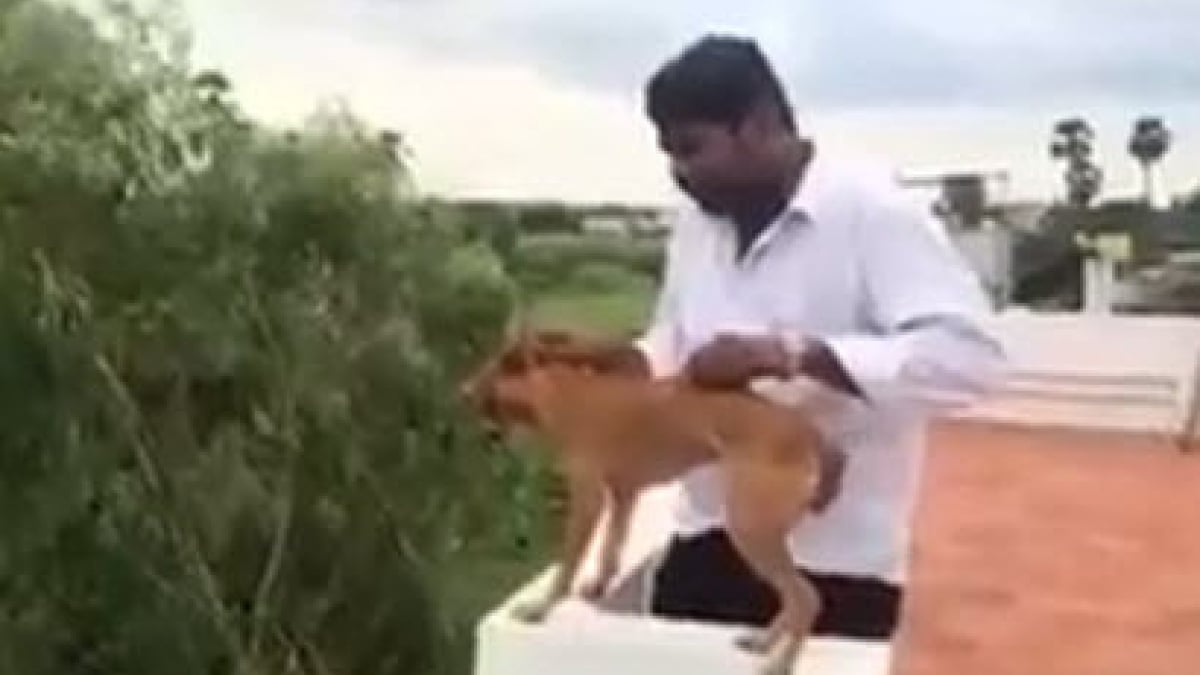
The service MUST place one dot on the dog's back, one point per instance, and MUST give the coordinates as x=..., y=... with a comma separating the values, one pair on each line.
x=668, y=422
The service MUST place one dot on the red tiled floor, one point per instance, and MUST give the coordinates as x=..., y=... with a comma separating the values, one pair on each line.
x=1055, y=553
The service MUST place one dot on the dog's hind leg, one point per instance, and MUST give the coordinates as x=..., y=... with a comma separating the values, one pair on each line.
x=763, y=504
x=585, y=503
x=620, y=511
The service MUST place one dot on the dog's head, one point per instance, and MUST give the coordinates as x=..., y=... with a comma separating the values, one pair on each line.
x=507, y=390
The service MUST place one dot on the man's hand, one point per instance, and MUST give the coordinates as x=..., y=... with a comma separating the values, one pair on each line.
x=731, y=361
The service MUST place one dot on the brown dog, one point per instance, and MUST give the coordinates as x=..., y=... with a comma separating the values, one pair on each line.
x=617, y=434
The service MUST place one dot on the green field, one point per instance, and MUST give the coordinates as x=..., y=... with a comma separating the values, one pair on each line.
x=616, y=311
x=604, y=284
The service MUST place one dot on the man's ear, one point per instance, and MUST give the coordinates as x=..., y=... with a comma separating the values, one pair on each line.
x=761, y=122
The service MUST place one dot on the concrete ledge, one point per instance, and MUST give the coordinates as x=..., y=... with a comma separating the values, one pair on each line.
x=620, y=638
x=579, y=639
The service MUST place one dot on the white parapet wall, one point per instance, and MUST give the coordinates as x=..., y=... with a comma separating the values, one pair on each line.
x=618, y=637
x=1095, y=371
x=584, y=641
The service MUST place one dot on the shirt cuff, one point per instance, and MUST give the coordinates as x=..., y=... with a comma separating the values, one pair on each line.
x=873, y=363
x=661, y=364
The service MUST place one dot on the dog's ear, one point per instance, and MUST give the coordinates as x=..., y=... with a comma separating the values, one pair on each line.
x=512, y=359
x=514, y=326
x=528, y=349
x=565, y=347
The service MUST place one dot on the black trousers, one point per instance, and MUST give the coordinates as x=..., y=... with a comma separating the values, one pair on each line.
x=704, y=578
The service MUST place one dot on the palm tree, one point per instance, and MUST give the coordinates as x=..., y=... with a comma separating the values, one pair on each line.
x=1148, y=143
x=1083, y=183
x=1073, y=138
x=1071, y=143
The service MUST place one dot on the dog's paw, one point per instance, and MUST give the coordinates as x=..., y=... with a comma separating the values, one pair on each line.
x=781, y=659
x=595, y=589
x=777, y=666
x=755, y=641
x=532, y=611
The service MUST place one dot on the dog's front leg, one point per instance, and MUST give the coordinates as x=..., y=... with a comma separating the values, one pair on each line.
x=585, y=502
x=620, y=512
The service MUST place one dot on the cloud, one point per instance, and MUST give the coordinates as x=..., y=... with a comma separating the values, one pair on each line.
x=524, y=99
x=845, y=53
x=1002, y=53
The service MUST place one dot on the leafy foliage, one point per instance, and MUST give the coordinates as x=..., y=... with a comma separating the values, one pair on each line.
x=1072, y=142
x=229, y=441
x=549, y=218
x=1191, y=203
x=1149, y=140
x=543, y=262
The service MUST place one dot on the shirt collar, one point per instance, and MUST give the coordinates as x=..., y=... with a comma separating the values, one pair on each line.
x=805, y=204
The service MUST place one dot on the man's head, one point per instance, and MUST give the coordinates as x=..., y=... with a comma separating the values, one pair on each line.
x=724, y=120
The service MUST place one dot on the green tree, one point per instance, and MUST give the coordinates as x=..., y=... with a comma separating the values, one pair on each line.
x=549, y=218
x=1148, y=143
x=1191, y=203
x=229, y=440
x=1071, y=144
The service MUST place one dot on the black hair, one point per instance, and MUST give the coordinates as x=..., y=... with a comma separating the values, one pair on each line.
x=717, y=79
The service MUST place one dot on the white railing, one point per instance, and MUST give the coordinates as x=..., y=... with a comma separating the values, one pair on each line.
x=1105, y=372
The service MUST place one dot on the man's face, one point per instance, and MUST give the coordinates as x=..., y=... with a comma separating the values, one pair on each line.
x=714, y=164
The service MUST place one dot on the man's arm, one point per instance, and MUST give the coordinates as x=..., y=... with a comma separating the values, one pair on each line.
x=931, y=348
x=659, y=344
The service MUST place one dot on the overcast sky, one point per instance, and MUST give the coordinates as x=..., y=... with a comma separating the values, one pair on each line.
x=540, y=98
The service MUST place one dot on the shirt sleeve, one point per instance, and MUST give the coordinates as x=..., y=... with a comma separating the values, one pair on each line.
x=659, y=343
x=929, y=345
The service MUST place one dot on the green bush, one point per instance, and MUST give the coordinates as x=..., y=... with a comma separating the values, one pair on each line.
x=495, y=226
x=229, y=440
x=605, y=276
x=548, y=219
x=547, y=261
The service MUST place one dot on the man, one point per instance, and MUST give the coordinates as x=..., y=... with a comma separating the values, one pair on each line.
x=791, y=266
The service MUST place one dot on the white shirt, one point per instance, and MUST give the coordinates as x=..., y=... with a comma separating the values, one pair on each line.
x=852, y=261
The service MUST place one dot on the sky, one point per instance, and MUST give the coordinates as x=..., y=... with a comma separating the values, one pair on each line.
x=534, y=99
